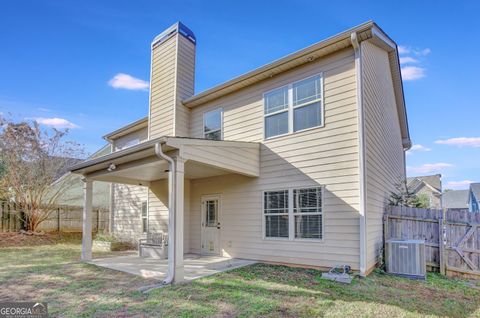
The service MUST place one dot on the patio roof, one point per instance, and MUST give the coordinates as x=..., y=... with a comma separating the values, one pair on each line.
x=139, y=165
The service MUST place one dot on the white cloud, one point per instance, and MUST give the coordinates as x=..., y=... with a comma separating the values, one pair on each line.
x=423, y=52
x=42, y=109
x=410, y=73
x=417, y=148
x=55, y=122
x=125, y=81
x=461, y=142
x=429, y=168
x=412, y=56
x=408, y=60
x=457, y=185
x=403, y=49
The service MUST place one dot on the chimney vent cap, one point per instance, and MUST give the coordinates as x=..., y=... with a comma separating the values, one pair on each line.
x=178, y=27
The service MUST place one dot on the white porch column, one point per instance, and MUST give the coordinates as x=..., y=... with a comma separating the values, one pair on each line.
x=179, y=212
x=87, y=220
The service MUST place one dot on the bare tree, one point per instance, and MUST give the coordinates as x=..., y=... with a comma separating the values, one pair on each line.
x=32, y=162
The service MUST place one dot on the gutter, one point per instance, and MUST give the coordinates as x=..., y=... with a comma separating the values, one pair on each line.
x=361, y=151
x=171, y=212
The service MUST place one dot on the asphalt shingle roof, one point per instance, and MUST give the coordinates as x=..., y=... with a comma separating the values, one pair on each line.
x=434, y=181
x=455, y=199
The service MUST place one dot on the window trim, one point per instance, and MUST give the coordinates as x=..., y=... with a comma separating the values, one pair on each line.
x=265, y=237
x=204, y=133
x=144, y=217
x=290, y=109
x=291, y=216
x=322, y=193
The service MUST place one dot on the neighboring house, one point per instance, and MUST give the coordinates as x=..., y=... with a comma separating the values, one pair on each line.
x=73, y=196
x=474, y=197
x=291, y=163
x=463, y=199
x=429, y=186
x=455, y=199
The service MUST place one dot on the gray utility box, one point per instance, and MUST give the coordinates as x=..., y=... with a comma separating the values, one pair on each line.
x=406, y=258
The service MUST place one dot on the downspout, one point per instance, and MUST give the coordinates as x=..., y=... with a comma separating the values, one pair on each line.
x=361, y=146
x=171, y=213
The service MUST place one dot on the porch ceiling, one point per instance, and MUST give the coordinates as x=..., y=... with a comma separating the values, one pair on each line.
x=204, y=158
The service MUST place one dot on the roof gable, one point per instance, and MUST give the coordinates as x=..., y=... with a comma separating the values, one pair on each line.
x=366, y=31
x=434, y=182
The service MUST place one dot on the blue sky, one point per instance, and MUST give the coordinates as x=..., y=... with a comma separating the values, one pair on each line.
x=84, y=64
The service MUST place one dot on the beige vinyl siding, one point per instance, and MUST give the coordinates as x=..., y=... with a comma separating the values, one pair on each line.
x=242, y=159
x=385, y=159
x=158, y=210
x=127, y=222
x=162, y=89
x=321, y=156
x=131, y=139
x=185, y=84
x=127, y=199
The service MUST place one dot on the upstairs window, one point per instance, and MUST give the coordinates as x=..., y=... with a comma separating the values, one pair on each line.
x=212, y=124
x=295, y=107
x=307, y=103
x=276, y=112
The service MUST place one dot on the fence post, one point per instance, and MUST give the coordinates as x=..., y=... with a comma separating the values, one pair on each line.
x=1, y=216
x=385, y=235
x=441, y=244
x=58, y=219
x=98, y=219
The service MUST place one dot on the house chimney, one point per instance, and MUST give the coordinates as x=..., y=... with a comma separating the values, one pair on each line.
x=171, y=81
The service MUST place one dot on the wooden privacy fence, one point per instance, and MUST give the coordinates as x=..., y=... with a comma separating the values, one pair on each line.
x=63, y=219
x=452, y=238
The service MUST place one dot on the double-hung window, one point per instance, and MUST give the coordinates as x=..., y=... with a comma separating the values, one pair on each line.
x=276, y=213
x=293, y=213
x=307, y=211
x=144, y=217
x=212, y=124
x=276, y=112
x=295, y=107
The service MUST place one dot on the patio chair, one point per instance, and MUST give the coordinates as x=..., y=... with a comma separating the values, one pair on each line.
x=155, y=245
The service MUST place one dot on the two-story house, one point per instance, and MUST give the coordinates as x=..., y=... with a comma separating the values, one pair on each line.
x=429, y=187
x=292, y=162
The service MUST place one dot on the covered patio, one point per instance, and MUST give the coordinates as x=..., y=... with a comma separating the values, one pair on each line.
x=195, y=266
x=175, y=159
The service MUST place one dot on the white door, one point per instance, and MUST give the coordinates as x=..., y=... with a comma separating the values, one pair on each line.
x=210, y=225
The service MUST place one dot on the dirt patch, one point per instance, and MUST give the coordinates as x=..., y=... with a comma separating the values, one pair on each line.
x=15, y=239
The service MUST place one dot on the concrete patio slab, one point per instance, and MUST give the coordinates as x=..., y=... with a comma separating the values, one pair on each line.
x=196, y=266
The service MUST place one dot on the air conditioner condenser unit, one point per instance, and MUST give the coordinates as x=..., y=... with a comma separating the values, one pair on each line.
x=406, y=258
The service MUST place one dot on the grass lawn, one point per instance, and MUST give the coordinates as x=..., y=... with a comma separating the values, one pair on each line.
x=49, y=270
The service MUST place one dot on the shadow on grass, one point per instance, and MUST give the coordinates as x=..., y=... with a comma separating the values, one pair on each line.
x=53, y=274
x=277, y=290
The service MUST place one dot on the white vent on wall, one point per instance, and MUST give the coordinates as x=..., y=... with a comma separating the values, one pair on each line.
x=406, y=258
